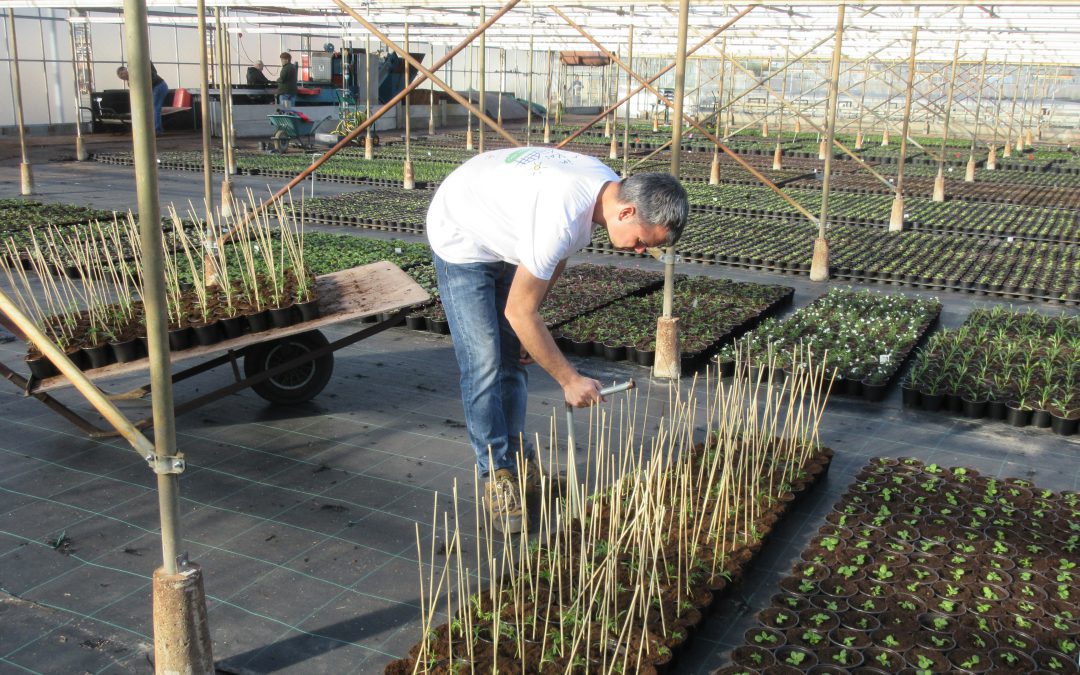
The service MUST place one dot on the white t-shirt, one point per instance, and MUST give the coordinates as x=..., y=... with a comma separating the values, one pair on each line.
x=526, y=206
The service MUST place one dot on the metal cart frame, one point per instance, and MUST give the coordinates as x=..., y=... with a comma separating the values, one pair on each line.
x=283, y=365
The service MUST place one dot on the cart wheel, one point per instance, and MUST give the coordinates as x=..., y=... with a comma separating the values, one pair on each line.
x=300, y=384
x=282, y=145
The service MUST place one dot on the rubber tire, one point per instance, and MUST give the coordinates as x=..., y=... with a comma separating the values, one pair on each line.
x=299, y=384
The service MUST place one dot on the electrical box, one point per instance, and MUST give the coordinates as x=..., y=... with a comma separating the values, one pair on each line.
x=320, y=68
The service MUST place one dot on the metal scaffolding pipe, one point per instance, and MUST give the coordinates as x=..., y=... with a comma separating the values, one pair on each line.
x=969, y=174
x=26, y=183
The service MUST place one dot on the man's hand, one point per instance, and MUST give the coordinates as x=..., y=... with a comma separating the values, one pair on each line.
x=582, y=392
x=524, y=358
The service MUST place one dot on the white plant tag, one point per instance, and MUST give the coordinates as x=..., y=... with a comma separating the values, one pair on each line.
x=884, y=358
x=1010, y=239
x=397, y=249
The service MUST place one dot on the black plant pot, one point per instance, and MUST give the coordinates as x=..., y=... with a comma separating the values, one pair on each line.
x=207, y=334
x=874, y=392
x=1017, y=417
x=954, y=403
x=646, y=357
x=910, y=396
x=931, y=402
x=233, y=326
x=996, y=409
x=99, y=356
x=853, y=387
x=128, y=350
x=308, y=310
x=1063, y=426
x=581, y=348
x=438, y=326
x=416, y=322
x=78, y=357
x=180, y=338
x=974, y=409
x=614, y=352
x=282, y=317
x=1041, y=419
x=41, y=367
x=259, y=321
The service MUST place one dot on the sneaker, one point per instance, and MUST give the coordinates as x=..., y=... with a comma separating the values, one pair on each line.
x=502, y=498
x=533, y=473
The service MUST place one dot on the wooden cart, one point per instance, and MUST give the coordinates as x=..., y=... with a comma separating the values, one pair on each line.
x=283, y=365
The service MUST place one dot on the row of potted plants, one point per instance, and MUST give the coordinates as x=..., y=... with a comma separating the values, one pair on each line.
x=617, y=580
x=710, y=311
x=1031, y=270
x=580, y=290
x=952, y=217
x=96, y=316
x=1022, y=367
x=928, y=570
x=956, y=190
x=864, y=336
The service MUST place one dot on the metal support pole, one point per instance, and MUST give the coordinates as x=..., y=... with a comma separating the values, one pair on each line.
x=991, y=154
x=896, y=218
x=26, y=172
x=667, y=363
x=714, y=167
x=369, y=142
x=80, y=148
x=529, y=83
x=409, y=181
x=230, y=128
x=778, y=153
x=819, y=266
x=181, y=633
x=226, y=181
x=502, y=86
x=939, y=181
x=431, y=100
x=153, y=272
x=629, y=83
x=969, y=173
x=1007, y=152
x=547, y=100
x=483, y=79
x=468, y=108
x=862, y=106
x=204, y=111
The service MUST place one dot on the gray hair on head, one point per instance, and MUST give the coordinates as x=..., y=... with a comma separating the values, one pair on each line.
x=660, y=200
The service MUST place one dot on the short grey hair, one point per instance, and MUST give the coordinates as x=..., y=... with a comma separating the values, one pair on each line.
x=660, y=200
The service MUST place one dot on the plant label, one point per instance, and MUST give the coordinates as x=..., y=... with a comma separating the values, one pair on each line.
x=884, y=358
x=1010, y=239
x=397, y=249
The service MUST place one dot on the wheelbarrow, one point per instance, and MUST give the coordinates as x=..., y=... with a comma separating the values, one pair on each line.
x=292, y=127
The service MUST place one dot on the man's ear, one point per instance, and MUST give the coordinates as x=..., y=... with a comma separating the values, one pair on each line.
x=627, y=212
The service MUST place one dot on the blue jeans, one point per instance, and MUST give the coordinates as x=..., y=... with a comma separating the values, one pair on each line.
x=286, y=100
x=494, y=384
x=161, y=92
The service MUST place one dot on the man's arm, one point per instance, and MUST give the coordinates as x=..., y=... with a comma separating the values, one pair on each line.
x=523, y=313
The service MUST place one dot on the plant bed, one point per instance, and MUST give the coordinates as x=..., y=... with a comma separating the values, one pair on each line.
x=589, y=594
x=866, y=336
x=989, y=629
x=1004, y=362
x=710, y=311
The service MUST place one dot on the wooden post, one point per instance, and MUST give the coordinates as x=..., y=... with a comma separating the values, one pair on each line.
x=483, y=80
x=408, y=181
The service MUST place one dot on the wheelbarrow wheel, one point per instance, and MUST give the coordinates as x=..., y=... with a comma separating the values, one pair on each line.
x=299, y=384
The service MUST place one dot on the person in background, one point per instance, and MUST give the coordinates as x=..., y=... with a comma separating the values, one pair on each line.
x=160, y=92
x=286, y=81
x=501, y=228
x=255, y=76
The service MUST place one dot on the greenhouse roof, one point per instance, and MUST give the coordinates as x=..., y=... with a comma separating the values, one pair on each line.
x=1035, y=33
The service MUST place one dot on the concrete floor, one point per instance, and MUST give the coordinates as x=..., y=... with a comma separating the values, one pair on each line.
x=304, y=518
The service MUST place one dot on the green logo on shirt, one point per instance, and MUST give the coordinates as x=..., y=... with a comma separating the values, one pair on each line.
x=513, y=156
